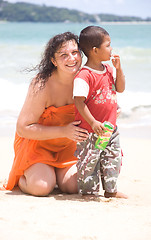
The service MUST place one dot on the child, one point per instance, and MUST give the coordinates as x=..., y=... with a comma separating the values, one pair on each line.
x=95, y=100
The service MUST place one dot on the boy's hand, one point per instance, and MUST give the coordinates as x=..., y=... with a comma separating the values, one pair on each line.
x=98, y=127
x=116, y=61
x=120, y=78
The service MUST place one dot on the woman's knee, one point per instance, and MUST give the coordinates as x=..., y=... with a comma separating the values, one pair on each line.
x=41, y=187
x=67, y=179
x=38, y=180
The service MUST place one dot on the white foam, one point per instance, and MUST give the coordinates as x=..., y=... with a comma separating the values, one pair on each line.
x=129, y=100
x=12, y=95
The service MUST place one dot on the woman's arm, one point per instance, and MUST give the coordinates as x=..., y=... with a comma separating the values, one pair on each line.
x=27, y=123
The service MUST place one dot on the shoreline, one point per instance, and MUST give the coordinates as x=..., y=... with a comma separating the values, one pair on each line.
x=128, y=132
x=99, y=22
x=137, y=132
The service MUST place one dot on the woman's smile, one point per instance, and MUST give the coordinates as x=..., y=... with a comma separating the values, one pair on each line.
x=68, y=57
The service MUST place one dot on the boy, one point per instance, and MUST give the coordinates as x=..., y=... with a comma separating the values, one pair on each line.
x=95, y=100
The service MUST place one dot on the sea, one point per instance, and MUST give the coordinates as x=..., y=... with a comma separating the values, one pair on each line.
x=22, y=45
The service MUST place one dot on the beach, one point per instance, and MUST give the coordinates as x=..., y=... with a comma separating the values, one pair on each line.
x=64, y=216
x=73, y=217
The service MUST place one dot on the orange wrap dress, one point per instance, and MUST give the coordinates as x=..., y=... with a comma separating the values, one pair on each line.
x=57, y=152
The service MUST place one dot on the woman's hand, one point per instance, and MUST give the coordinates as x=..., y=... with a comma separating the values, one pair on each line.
x=75, y=133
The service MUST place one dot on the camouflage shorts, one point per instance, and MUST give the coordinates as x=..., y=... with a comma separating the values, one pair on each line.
x=95, y=165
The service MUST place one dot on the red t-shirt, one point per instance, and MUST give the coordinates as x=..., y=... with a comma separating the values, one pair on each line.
x=99, y=89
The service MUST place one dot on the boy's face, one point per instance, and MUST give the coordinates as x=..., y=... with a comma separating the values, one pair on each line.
x=105, y=50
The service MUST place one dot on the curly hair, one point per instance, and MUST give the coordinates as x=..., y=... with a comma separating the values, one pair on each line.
x=46, y=67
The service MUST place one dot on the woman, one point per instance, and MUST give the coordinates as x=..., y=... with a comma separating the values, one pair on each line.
x=46, y=133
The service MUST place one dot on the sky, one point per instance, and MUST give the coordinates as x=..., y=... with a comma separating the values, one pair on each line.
x=139, y=8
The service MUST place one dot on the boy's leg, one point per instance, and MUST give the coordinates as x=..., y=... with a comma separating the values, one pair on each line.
x=88, y=166
x=110, y=164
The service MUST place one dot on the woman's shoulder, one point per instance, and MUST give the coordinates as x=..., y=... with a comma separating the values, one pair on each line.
x=38, y=85
x=37, y=93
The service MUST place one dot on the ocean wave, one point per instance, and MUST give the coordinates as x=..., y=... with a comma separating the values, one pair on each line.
x=131, y=100
x=12, y=95
x=141, y=116
x=136, y=54
x=135, y=106
x=135, y=109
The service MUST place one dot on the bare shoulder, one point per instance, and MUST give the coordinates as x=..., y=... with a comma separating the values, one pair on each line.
x=43, y=91
x=37, y=88
x=35, y=103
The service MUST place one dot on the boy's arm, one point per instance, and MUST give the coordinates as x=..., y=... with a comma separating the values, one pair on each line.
x=86, y=114
x=120, y=78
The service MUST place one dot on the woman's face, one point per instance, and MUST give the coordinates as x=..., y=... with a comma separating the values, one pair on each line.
x=68, y=58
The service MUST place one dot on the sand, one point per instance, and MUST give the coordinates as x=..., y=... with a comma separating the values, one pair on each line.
x=66, y=217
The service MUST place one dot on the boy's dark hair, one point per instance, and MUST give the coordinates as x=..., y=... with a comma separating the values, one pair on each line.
x=91, y=36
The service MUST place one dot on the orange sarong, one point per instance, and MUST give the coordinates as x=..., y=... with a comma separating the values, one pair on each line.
x=57, y=152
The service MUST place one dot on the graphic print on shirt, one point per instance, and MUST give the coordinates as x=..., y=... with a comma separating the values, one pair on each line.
x=100, y=96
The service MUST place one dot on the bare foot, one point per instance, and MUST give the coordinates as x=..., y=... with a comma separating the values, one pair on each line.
x=115, y=195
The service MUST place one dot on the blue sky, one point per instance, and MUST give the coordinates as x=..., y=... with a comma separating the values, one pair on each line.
x=140, y=8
